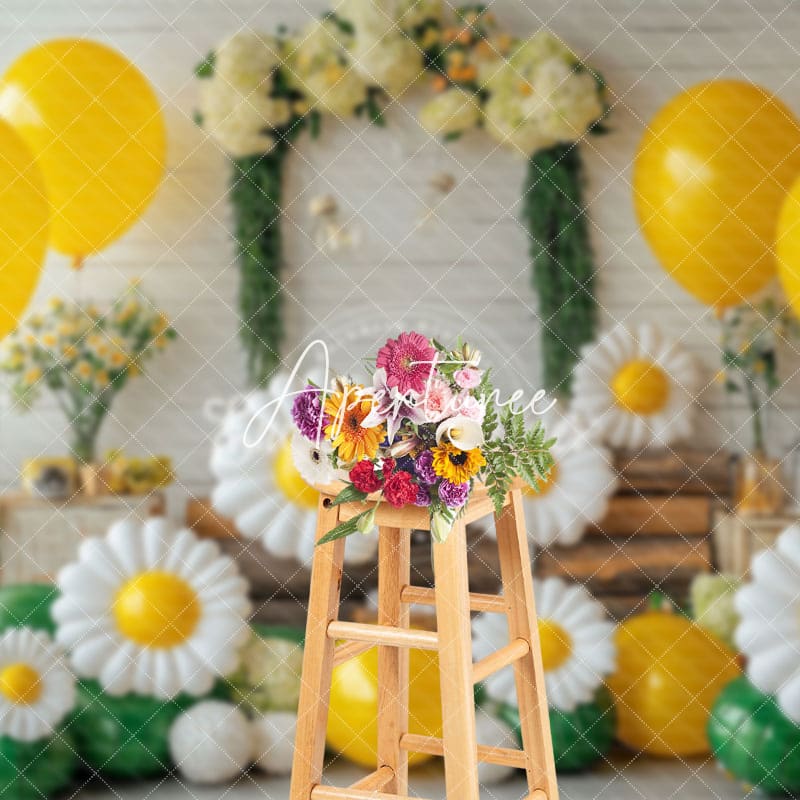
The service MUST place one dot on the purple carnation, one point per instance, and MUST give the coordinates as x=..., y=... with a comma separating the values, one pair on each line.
x=423, y=466
x=453, y=495
x=423, y=498
x=307, y=413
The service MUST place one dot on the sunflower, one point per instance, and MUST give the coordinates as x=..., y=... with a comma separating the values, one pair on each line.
x=457, y=466
x=347, y=410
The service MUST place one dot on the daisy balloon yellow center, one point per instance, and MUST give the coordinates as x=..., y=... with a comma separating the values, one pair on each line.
x=20, y=684
x=641, y=387
x=157, y=609
x=290, y=481
x=556, y=644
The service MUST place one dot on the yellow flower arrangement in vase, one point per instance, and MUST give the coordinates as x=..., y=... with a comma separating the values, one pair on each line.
x=84, y=357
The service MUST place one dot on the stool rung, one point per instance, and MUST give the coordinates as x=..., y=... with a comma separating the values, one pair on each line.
x=344, y=652
x=433, y=746
x=375, y=781
x=423, y=596
x=320, y=792
x=519, y=648
x=383, y=635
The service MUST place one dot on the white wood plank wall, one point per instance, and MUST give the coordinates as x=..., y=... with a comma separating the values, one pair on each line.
x=471, y=265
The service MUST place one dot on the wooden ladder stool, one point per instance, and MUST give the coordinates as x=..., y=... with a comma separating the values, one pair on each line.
x=453, y=642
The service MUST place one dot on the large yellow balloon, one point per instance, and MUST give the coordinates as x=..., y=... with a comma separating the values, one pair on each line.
x=709, y=179
x=95, y=126
x=24, y=217
x=788, y=247
x=353, y=718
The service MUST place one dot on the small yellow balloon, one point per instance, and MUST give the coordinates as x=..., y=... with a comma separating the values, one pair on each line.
x=24, y=220
x=94, y=124
x=352, y=721
x=788, y=247
x=709, y=179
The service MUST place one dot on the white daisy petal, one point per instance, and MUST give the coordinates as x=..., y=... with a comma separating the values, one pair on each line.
x=38, y=691
x=789, y=698
x=567, y=613
x=247, y=488
x=654, y=410
x=769, y=629
x=132, y=646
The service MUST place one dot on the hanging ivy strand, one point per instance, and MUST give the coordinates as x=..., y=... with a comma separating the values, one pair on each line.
x=533, y=95
x=256, y=198
x=563, y=272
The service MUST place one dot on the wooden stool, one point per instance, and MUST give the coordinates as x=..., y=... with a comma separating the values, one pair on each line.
x=453, y=641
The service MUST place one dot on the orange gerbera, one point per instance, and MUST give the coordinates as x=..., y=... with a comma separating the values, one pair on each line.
x=346, y=411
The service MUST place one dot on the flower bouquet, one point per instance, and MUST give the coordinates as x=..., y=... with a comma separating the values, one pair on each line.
x=422, y=434
x=84, y=357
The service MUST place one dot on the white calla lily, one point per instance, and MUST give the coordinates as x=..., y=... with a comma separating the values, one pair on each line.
x=462, y=432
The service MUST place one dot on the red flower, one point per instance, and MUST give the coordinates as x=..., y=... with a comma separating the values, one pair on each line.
x=364, y=478
x=399, y=489
x=388, y=467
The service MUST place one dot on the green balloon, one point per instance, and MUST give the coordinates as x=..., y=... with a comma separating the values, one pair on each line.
x=580, y=737
x=754, y=740
x=124, y=737
x=27, y=605
x=35, y=770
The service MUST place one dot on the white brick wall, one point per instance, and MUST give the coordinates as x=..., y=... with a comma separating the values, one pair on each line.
x=474, y=258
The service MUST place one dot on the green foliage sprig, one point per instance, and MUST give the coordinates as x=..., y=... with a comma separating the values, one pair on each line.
x=518, y=453
x=561, y=255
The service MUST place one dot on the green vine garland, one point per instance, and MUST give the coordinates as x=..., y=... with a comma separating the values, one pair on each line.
x=561, y=256
x=256, y=196
x=553, y=209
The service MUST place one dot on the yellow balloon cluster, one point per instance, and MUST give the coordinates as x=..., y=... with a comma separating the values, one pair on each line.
x=94, y=125
x=24, y=227
x=788, y=247
x=710, y=176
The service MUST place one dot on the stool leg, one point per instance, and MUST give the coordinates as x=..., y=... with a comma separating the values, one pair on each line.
x=455, y=665
x=515, y=569
x=394, y=573
x=323, y=608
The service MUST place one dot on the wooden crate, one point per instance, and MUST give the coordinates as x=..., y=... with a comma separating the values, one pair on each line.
x=738, y=537
x=280, y=587
x=656, y=534
x=38, y=537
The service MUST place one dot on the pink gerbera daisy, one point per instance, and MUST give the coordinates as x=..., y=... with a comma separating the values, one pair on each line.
x=408, y=361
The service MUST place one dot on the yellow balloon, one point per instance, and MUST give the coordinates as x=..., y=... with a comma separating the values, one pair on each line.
x=788, y=247
x=709, y=179
x=24, y=219
x=352, y=720
x=669, y=673
x=94, y=124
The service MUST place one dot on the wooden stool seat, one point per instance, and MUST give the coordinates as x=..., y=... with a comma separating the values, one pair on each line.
x=330, y=641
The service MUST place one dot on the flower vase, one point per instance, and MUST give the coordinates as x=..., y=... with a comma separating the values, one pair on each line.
x=759, y=488
x=93, y=479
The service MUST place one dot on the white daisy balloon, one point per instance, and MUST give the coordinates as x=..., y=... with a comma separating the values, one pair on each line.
x=637, y=387
x=769, y=631
x=265, y=474
x=152, y=611
x=576, y=491
x=37, y=689
x=577, y=641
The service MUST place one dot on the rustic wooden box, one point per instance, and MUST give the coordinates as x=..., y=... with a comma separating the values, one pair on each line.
x=656, y=535
x=38, y=537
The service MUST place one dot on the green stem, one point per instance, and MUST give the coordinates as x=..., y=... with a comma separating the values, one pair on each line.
x=256, y=196
x=561, y=256
x=758, y=421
